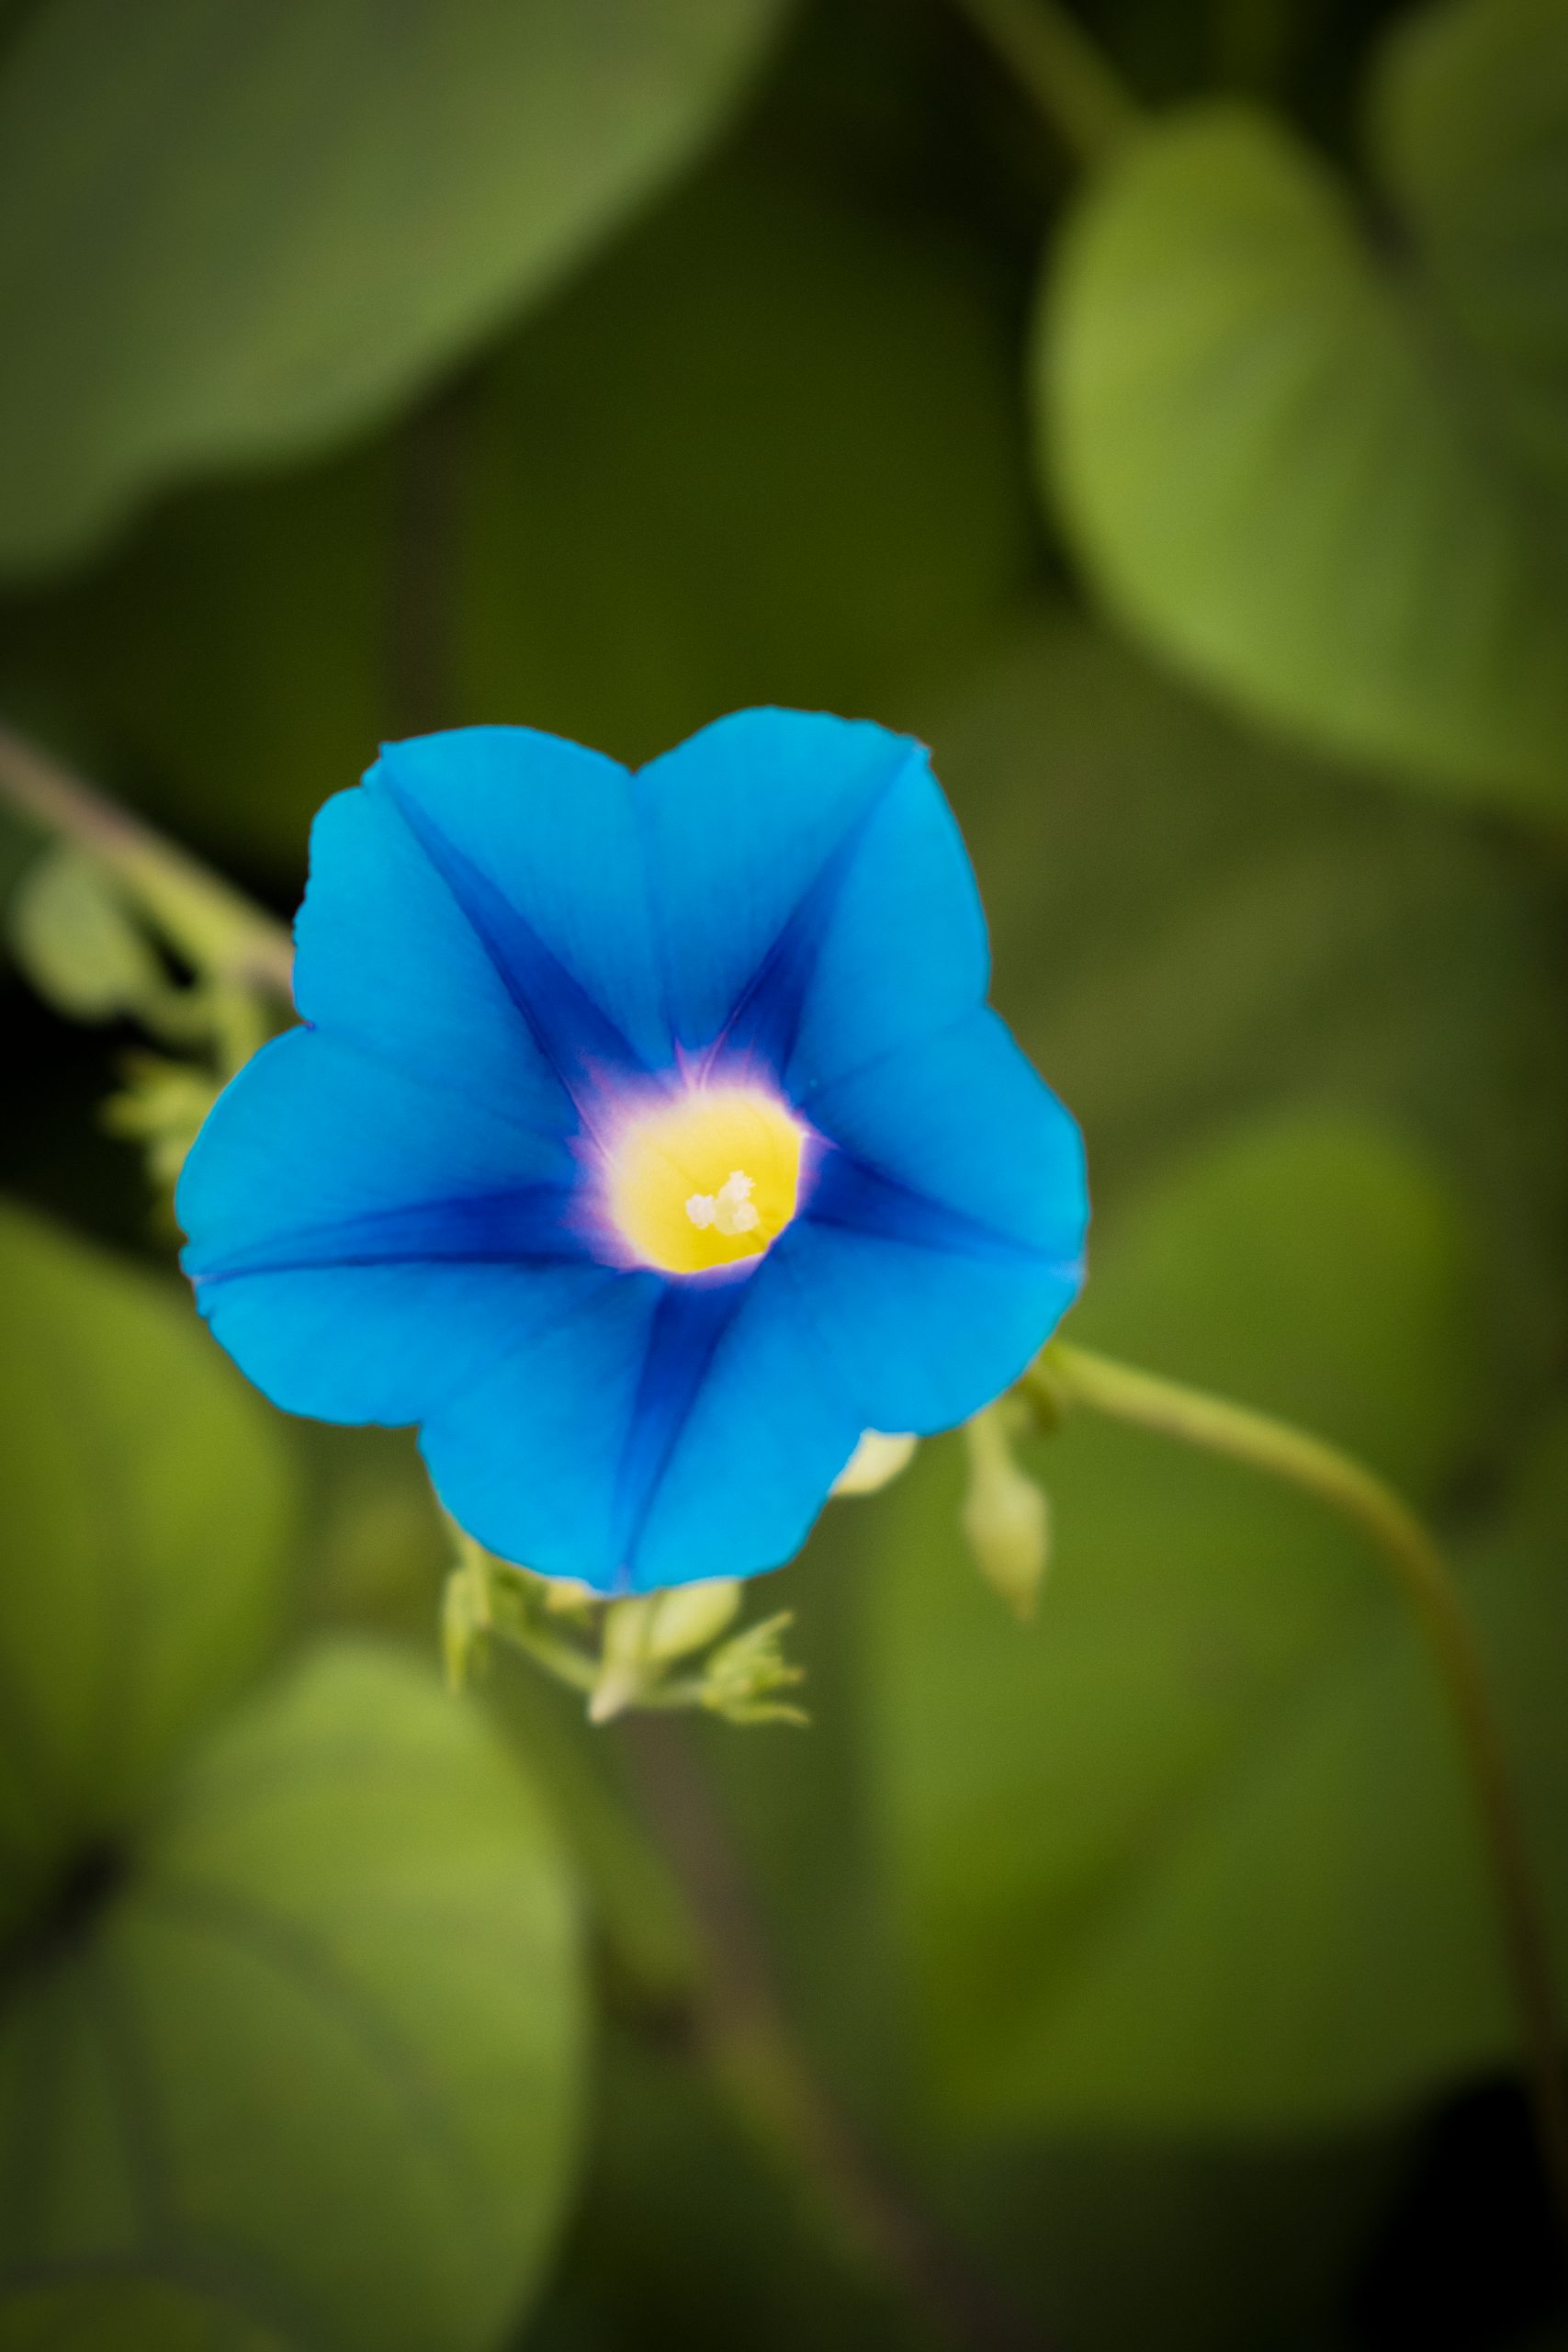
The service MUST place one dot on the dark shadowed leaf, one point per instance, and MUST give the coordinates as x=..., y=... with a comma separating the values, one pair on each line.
x=228, y=233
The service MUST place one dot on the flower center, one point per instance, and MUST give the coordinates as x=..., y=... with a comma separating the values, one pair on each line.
x=705, y=1181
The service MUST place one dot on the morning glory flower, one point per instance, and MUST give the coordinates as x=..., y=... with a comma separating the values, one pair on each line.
x=647, y=1139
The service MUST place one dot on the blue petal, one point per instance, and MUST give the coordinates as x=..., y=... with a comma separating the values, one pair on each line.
x=315, y=1130
x=690, y=1324
x=903, y=950
x=537, y=841
x=759, y=816
x=319, y=1149
x=762, y=1437
x=947, y=1241
x=527, y=1226
x=912, y=1291
x=923, y=1336
x=387, y=1343
x=664, y=1433
x=964, y=1119
x=529, y=1456
x=385, y=957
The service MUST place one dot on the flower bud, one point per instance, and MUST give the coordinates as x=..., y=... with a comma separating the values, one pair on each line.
x=626, y=1669
x=690, y=1616
x=1006, y=1517
x=874, y=1463
x=742, y=1678
x=567, y=1597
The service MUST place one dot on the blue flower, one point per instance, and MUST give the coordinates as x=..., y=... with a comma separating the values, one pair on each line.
x=647, y=1138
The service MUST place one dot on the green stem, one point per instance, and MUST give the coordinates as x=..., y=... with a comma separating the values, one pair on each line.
x=1046, y=50
x=1070, y=1376
x=219, y=932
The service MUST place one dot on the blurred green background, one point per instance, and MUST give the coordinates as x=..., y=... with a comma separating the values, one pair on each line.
x=1162, y=408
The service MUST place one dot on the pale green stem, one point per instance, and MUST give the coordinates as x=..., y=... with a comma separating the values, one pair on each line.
x=217, y=931
x=559, y=1657
x=1078, y=92
x=1068, y=1376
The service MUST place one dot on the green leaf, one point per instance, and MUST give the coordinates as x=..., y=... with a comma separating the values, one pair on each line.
x=1328, y=473
x=144, y=1518
x=70, y=932
x=321, y=2046
x=1195, y=1852
x=229, y=234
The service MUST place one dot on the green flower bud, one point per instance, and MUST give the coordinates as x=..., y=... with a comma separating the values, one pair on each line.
x=1006, y=1517
x=876, y=1461
x=740, y=1679
x=690, y=1616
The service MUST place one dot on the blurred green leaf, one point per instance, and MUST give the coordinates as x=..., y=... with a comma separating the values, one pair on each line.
x=233, y=234
x=144, y=1518
x=1323, y=465
x=78, y=944
x=322, y=2043
x=1195, y=1852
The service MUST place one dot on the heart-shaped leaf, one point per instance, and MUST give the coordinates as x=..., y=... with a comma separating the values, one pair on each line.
x=144, y=1514
x=226, y=234
x=312, y=2039
x=1324, y=468
x=1195, y=1852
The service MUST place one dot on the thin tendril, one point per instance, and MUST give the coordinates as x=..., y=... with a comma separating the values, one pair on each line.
x=1072, y=1375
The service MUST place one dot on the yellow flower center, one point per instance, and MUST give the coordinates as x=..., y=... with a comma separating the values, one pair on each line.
x=705, y=1181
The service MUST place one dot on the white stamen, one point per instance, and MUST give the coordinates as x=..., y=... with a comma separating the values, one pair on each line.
x=730, y=1210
